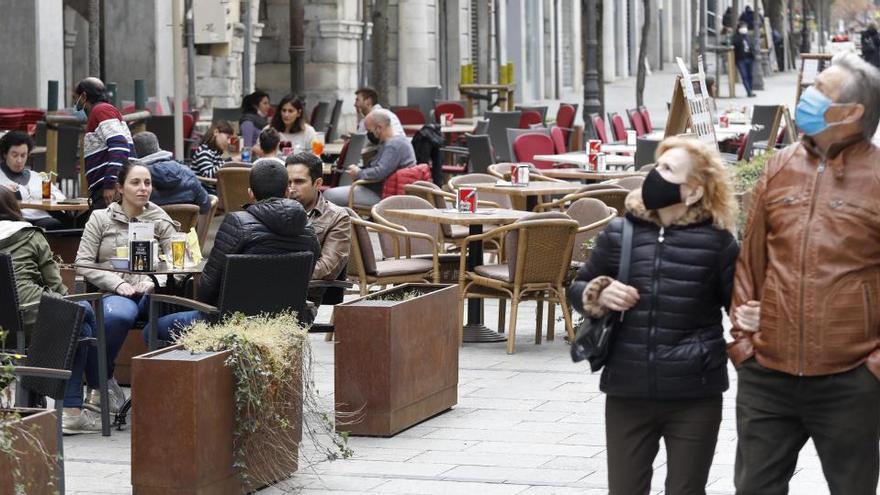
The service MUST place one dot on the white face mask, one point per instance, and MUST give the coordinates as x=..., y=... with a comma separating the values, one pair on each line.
x=743, y=31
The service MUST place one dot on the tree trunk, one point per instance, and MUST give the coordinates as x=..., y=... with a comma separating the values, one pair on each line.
x=643, y=53
x=297, y=47
x=379, y=70
x=601, y=67
x=95, y=38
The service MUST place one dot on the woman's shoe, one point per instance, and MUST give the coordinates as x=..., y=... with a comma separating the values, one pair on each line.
x=117, y=397
x=84, y=422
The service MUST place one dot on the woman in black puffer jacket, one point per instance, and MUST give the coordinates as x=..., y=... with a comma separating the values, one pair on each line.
x=667, y=365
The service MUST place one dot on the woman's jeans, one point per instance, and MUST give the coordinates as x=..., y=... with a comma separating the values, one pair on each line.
x=745, y=71
x=120, y=315
x=174, y=322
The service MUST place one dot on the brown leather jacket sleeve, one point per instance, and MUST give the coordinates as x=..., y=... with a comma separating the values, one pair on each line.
x=335, y=249
x=751, y=266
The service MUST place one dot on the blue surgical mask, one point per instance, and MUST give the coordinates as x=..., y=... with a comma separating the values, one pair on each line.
x=810, y=113
x=80, y=112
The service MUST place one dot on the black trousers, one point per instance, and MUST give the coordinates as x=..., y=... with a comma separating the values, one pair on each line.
x=633, y=429
x=776, y=413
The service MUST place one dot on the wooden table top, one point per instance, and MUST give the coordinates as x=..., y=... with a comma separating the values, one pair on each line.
x=163, y=268
x=79, y=204
x=581, y=158
x=581, y=174
x=533, y=188
x=454, y=217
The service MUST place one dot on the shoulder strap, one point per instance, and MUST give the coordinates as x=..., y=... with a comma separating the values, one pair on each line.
x=625, y=252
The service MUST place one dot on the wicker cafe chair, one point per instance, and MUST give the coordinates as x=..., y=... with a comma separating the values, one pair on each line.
x=367, y=272
x=614, y=198
x=539, y=253
x=232, y=186
x=49, y=361
x=502, y=200
x=252, y=284
x=592, y=216
x=560, y=204
x=630, y=183
x=502, y=171
x=204, y=224
x=186, y=215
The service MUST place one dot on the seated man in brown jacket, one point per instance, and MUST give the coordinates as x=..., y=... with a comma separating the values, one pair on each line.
x=331, y=223
x=805, y=295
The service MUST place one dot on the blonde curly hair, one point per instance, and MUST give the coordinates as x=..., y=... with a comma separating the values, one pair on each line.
x=708, y=171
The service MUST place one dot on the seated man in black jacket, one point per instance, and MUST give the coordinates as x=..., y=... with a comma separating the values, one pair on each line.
x=272, y=224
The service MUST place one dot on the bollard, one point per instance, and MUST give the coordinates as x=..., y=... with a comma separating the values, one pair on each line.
x=140, y=94
x=52, y=101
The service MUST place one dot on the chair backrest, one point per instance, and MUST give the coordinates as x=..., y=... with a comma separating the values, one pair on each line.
x=631, y=183
x=229, y=114
x=530, y=118
x=558, y=136
x=163, y=127
x=499, y=123
x=514, y=133
x=265, y=283
x=479, y=153
x=189, y=123
x=232, y=186
x=526, y=146
x=591, y=215
x=428, y=191
x=394, y=183
x=617, y=126
x=645, y=151
x=53, y=344
x=184, y=214
x=417, y=246
x=409, y=116
x=333, y=125
x=748, y=144
x=206, y=219
x=361, y=258
x=539, y=249
x=481, y=126
x=614, y=198
x=351, y=155
x=422, y=97
x=541, y=109
x=767, y=116
x=565, y=119
x=318, y=117
x=459, y=180
x=10, y=317
x=646, y=119
x=601, y=132
x=635, y=120
x=456, y=108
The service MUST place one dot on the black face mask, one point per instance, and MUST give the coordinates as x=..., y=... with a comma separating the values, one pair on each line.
x=658, y=192
x=372, y=138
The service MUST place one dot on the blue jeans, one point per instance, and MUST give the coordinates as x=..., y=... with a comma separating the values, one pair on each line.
x=174, y=322
x=745, y=72
x=73, y=396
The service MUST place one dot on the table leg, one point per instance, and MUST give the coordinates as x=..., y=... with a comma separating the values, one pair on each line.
x=531, y=203
x=474, y=329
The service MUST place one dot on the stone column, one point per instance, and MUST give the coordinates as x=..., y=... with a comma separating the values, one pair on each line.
x=413, y=68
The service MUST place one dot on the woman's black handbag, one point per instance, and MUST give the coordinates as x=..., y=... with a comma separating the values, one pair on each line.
x=594, y=335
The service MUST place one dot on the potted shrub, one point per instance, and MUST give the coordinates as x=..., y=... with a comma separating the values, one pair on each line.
x=746, y=175
x=229, y=401
x=28, y=442
x=396, y=358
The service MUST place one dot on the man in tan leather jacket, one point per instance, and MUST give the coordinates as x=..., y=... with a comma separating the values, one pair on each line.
x=806, y=317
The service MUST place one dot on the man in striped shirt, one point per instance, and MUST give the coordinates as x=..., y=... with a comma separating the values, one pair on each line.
x=107, y=143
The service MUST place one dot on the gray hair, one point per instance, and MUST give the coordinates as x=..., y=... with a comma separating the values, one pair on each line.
x=145, y=143
x=863, y=86
x=381, y=117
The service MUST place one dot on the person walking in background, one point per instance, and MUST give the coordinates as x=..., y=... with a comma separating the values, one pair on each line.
x=744, y=53
x=807, y=334
x=748, y=18
x=871, y=45
x=107, y=142
x=667, y=366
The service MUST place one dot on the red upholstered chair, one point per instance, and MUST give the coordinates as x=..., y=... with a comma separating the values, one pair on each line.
x=395, y=183
x=635, y=120
x=409, y=116
x=455, y=108
x=618, y=128
x=599, y=127
x=646, y=119
x=529, y=118
x=558, y=137
x=565, y=120
x=527, y=146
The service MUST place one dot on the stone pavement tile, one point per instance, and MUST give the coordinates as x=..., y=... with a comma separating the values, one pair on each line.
x=515, y=475
x=332, y=482
x=587, y=388
x=562, y=490
x=537, y=448
x=93, y=484
x=576, y=463
x=508, y=404
x=483, y=459
x=576, y=406
x=557, y=427
x=592, y=435
x=380, y=454
x=481, y=422
x=490, y=435
x=535, y=391
x=519, y=415
x=410, y=443
x=417, y=431
x=383, y=468
x=430, y=487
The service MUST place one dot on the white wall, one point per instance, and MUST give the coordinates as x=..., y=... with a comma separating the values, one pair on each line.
x=50, y=48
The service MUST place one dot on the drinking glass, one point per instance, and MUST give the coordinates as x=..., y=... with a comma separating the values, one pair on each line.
x=178, y=251
x=318, y=144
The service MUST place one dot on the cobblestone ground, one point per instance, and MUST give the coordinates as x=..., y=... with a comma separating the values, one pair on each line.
x=529, y=424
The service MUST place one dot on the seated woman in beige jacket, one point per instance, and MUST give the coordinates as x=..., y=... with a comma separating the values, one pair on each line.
x=105, y=230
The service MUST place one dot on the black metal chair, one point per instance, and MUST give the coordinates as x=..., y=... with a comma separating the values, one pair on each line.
x=319, y=115
x=49, y=359
x=645, y=150
x=333, y=125
x=499, y=122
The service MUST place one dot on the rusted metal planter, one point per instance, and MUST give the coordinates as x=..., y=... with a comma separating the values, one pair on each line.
x=37, y=471
x=396, y=361
x=183, y=420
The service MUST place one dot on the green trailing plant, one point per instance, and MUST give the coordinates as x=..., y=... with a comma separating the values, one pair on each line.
x=398, y=296
x=270, y=356
x=746, y=175
x=16, y=439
